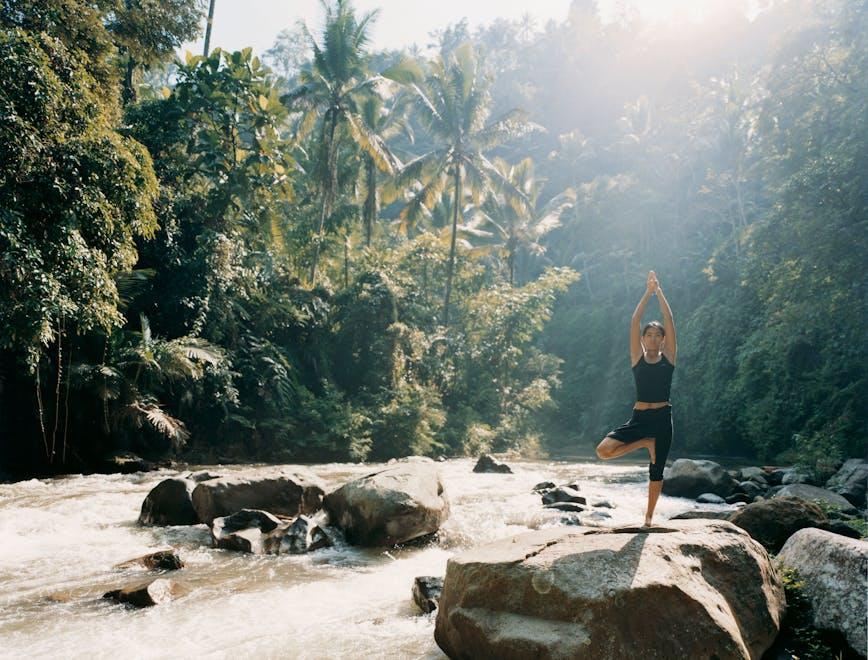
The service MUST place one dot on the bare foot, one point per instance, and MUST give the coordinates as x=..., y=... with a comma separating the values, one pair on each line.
x=647, y=522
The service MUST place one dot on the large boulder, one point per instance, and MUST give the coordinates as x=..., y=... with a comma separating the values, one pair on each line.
x=170, y=502
x=396, y=504
x=851, y=481
x=277, y=490
x=772, y=522
x=689, y=478
x=833, y=570
x=692, y=589
x=808, y=492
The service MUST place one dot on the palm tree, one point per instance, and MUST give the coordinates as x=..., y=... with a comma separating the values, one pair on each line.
x=452, y=99
x=383, y=122
x=133, y=371
x=333, y=86
x=519, y=227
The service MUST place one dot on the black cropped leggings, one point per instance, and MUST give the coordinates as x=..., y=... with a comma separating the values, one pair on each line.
x=653, y=423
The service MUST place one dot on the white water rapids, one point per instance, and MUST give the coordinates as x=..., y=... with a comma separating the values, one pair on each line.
x=64, y=535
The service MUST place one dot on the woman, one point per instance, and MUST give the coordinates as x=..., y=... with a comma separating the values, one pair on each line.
x=650, y=425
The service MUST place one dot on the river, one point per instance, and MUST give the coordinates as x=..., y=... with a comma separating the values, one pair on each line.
x=62, y=536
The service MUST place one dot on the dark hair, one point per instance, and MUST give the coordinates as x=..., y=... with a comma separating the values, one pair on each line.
x=654, y=324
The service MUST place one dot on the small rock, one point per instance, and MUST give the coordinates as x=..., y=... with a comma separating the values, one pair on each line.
x=146, y=594
x=543, y=485
x=751, y=488
x=738, y=497
x=166, y=560
x=710, y=498
x=562, y=494
x=487, y=464
x=603, y=504
x=426, y=592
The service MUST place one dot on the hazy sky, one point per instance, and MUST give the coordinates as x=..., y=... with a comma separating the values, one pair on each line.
x=239, y=23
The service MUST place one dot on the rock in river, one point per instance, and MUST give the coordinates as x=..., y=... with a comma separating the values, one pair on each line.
x=691, y=589
x=398, y=503
x=278, y=490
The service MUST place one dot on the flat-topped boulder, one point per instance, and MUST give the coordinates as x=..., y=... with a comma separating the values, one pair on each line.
x=290, y=491
x=689, y=478
x=689, y=589
x=833, y=570
x=398, y=503
x=809, y=493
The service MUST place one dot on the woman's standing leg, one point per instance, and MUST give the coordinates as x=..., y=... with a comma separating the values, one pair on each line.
x=662, y=442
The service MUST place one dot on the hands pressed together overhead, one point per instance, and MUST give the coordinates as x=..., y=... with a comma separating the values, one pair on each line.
x=652, y=285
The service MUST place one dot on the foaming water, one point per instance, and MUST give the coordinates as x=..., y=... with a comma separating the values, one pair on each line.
x=61, y=538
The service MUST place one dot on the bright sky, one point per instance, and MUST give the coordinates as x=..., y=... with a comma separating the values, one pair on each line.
x=240, y=23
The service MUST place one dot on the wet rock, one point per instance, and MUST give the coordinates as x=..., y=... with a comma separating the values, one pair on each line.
x=772, y=522
x=562, y=593
x=775, y=475
x=738, y=497
x=487, y=464
x=833, y=570
x=597, y=516
x=851, y=481
x=170, y=502
x=565, y=506
x=689, y=478
x=710, y=498
x=543, y=485
x=747, y=473
x=426, y=592
x=276, y=490
x=245, y=530
x=146, y=594
x=202, y=476
x=302, y=535
x=259, y=532
x=562, y=494
x=124, y=462
x=164, y=560
x=393, y=505
x=809, y=493
x=603, y=504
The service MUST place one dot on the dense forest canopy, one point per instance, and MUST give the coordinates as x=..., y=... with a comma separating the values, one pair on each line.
x=330, y=252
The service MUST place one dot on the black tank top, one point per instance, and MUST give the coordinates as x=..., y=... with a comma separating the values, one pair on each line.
x=653, y=381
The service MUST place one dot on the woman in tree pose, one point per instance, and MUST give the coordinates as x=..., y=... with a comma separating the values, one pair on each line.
x=650, y=426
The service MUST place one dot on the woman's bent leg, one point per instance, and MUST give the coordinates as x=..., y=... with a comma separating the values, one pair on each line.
x=612, y=448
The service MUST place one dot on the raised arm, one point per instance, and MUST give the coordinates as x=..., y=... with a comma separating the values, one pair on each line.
x=635, y=330
x=670, y=347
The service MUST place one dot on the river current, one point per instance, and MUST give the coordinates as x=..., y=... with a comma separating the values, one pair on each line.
x=61, y=537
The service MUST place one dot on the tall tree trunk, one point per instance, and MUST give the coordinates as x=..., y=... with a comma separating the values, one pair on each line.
x=370, y=199
x=346, y=260
x=451, y=269
x=128, y=93
x=208, y=27
x=328, y=190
